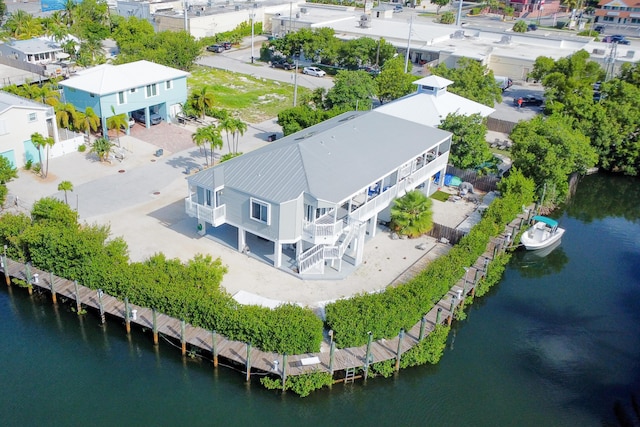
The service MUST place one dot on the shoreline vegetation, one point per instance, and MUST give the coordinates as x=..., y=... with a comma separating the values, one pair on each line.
x=51, y=239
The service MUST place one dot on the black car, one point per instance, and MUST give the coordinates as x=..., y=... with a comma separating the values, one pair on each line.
x=616, y=38
x=529, y=100
x=599, y=28
x=226, y=45
x=216, y=48
x=283, y=64
x=532, y=27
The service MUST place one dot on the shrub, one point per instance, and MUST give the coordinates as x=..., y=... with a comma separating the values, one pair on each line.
x=520, y=27
x=447, y=18
x=429, y=350
x=82, y=148
x=28, y=164
x=302, y=385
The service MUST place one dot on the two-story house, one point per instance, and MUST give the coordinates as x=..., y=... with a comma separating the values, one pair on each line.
x=123, y=89
x=19, y=119
x=317, y=195
x=625, y=12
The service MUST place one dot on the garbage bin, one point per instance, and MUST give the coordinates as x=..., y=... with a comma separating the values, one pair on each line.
x=271, y=137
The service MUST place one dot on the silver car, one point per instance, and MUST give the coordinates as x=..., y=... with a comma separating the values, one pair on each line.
x=313, y=71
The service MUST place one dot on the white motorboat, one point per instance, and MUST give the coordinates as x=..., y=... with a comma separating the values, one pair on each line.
x=543, y=233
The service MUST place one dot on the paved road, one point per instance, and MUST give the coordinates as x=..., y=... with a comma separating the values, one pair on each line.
x=239, y=60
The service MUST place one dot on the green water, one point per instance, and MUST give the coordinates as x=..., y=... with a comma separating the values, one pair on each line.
x=556, y=343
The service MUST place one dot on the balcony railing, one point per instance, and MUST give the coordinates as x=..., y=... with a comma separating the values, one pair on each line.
x=214, y=216
x=323, y=231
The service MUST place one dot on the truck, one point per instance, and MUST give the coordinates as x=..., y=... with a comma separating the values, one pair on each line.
x=504, y=82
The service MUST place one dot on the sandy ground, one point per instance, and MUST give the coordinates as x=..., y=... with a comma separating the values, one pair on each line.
x=142, y=198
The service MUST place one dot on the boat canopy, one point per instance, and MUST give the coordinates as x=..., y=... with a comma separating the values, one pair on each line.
x=550, y=222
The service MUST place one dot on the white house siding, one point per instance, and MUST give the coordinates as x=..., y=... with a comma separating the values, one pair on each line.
x=15, y=129
x=290, y=220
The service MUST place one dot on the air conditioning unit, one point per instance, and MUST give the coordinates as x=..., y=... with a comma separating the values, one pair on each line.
x=505, y=40
x=459, y=34
x=237, y=7
x=631, y=53
x=598, y=51
x=304, y=10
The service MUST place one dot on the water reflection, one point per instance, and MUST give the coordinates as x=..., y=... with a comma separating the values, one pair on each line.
x=543, y=262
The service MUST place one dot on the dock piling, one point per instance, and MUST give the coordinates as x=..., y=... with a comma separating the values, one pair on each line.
x=248, y=378
x=398, y=355
x=77, y=291
x=127, y=317
x=155, y=326
x=423, y=324
x=183, y=338
x=214, y=348
x=54, y=297
x=101, y=306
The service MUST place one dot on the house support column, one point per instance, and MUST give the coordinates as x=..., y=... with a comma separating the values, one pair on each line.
x=443, y=171
x=372, y=225
x=360, y=245
x=242, y=239
x=277, y=254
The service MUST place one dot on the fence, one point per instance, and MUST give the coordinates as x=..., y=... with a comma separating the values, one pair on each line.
x=440, y=231
x=481, y=182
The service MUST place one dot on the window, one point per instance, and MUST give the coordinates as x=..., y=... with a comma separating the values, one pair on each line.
x=133, y=90
x=122, y=99
x=260, y=211
x=168, y=84
x=152, y=90
x=33, y=117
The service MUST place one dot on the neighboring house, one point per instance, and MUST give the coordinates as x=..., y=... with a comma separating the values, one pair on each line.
x=33, y=51
x=122, y=89
x=432, y=103
x=625, y=12
x=316, y=195
x=19, y=119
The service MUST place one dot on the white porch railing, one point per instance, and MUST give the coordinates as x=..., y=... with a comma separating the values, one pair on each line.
x=214, y=216
x=322, y=233
x=374, y=205
x=311, y=258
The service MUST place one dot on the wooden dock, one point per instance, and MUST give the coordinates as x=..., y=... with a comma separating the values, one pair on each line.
x=191, y=337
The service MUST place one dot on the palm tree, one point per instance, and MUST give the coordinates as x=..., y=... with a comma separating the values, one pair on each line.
x=66, y=115
x=215, y=141
x=201, y=100
x=102, y=147
x=228, y=125
x=239, y=130
x=68, y=12
x=117, y=122
x=200, y=137
x=411, y=214
x=23, y=25
x=42, y=143
x=65, y=186
x=89, y=121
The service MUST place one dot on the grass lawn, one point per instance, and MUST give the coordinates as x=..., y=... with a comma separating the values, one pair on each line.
x=254, y=99
x=441, y=196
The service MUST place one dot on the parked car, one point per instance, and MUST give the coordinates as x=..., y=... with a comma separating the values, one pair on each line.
x=599, y=28
x=617, y=38
x=132, y=122
x=139, y=116
x=374, y=71
x=532, y=27
x=397, y=8
x=313, y=71
x=529, y=100
x=283, y=64
x=226, y=45
x=216, y=48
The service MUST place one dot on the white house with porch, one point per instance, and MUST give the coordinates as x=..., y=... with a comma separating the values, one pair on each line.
x=313, y=198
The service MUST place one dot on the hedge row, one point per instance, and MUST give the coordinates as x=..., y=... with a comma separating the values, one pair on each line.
x=384, y=314
x=52, y=240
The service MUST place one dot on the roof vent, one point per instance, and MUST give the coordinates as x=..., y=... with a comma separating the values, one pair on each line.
x=631, y=53
x=459, y=34
x=305, y=136
x=598, y=51
x=350, y=117
x=505, y=40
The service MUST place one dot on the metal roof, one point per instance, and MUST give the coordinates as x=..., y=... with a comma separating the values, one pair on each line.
x=107, y=78
x=8, y=101
x=330, y=161
x=32, y=46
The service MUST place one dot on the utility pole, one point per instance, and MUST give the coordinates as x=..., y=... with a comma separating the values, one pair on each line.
x=406, y=59
x=252, y=15
x=295, y=85
x=186, y=17
x=459, y=17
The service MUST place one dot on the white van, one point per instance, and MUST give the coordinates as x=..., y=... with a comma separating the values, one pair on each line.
x=504, y=82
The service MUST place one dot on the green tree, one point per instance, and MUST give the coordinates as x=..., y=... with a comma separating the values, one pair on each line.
x=351, y=90
x=469, y=145
x=208, y=135
x=3, y=10
x=65, y=186
x=548, y=150
x=54, y=211
x=392, y=82
x=471, y=80
x=88, y=122
x=201, y=99
x=239, y=129
x=102, y=147
x=439, y=4
x=520, y=27
x=42, y=143
x=117, y=122
x=22, y=25
x=7, y=171
x=411, y=214
x=67, y=115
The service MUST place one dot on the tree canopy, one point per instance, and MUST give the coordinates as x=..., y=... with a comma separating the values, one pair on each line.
x=392, y=82
x=469, y=145
x=352, y=90
x=471, y=80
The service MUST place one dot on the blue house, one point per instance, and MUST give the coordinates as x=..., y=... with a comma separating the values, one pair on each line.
x=123, y=89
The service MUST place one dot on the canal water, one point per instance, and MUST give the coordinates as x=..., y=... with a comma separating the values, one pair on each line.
x=556, y=343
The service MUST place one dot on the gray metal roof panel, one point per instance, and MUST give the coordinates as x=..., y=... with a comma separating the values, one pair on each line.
x=330, y=161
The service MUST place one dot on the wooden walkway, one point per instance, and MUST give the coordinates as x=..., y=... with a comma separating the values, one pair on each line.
x=195, y=337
